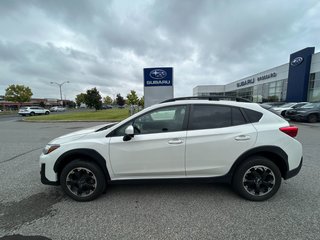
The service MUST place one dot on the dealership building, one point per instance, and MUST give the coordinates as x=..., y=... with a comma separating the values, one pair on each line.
x=296, y=81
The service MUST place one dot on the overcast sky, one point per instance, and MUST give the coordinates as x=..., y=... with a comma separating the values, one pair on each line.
x=106, y=44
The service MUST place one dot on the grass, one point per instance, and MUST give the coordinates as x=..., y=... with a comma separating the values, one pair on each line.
x=102, y=115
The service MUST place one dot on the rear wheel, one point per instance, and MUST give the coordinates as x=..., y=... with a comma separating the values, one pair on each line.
x=312, y=118
x=82, y=180
x=46, y=113
x=32, y=114
x=257, y=179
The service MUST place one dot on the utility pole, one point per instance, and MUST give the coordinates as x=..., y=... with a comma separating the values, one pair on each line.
x=60, y=85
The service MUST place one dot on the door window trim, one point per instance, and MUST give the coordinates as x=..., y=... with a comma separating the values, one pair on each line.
x=184, y=125
x=218, y=105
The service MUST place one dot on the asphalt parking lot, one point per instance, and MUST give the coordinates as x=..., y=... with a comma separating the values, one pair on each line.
x=165, y=211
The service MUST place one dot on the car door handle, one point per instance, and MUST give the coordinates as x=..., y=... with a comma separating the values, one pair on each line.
x=242, y=138
x=175, y=141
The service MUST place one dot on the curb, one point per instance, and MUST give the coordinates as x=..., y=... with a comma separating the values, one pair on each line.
x=68, y=121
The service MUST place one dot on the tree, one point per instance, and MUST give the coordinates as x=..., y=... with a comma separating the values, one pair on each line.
x=120, y=100
x=71, y=104
x=93, y=99
x=107, y=100
x=141, y=101
x=132, y=98
x=42, y=104
x=18, y=93
x=80, y=98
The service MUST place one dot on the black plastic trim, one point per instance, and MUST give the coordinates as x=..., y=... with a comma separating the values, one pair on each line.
x=80, y=152
x=256, y=151
x=293, y=172
x=44, y=179
x=210, y=98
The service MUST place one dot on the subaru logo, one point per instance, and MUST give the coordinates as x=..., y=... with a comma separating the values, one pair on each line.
x=158, y=74
x=296, y=61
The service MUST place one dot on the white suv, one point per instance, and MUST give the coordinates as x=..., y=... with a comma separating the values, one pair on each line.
x=31, y=111
x=190, y=139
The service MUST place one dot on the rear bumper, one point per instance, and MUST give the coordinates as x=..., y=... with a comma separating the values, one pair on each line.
x=293, y=172
x=44, y=179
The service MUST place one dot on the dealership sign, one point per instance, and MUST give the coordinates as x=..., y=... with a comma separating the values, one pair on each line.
x=297, y=61
x=157, y=77
x=252, y=80
x=158, y=85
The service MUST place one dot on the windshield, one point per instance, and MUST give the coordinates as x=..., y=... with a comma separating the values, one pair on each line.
x=287, y=105
x=310, y=105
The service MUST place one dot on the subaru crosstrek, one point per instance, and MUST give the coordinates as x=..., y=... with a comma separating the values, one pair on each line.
x=190, y=139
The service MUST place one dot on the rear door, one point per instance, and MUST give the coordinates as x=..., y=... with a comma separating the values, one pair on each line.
x=217, y=135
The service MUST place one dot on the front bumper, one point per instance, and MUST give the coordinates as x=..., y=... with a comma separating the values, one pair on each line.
x=44, y=179
x=293, y=172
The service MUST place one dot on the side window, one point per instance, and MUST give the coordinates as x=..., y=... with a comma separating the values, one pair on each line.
x=252, y=115
x=210, y=116
x=167, y=119
x=237, y=117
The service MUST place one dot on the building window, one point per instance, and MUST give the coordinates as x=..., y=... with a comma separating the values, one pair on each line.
x=314, y=87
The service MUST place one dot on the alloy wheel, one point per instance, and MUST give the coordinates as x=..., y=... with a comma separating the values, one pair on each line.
x=81, y=182
x=258, y=180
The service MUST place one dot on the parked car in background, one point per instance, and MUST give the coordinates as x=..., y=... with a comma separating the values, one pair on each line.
x=57, y=109
x=309, y=112
x=274, y=104
x=31, y=111
x=106, y=107
x=285, y=107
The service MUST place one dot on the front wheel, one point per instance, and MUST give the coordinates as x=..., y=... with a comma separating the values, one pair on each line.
x=46, y=113
x=312, y=118
x=82, y=180
x=257, y=179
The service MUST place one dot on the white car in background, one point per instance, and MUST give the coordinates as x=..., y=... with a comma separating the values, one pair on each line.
x=31, y=111
x=57, y=109
x=281, y=110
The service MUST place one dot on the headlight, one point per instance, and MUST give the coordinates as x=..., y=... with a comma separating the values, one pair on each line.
x=50, y=148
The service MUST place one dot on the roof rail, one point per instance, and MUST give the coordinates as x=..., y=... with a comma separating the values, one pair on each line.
x=210, y=98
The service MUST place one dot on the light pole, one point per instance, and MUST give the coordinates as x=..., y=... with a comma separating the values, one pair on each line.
x=60, y=85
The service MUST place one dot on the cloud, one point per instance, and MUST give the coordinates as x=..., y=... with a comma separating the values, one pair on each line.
x=106, y=44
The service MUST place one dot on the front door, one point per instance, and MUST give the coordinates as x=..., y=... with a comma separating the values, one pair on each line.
x=157, y=149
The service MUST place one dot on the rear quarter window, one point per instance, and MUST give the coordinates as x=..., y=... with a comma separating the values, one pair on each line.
x=253, y=116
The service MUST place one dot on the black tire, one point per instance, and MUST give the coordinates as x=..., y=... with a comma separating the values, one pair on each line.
x=32, y=114
x=47, y=113
x=257, y=179
x=283, y=113
x=82, y=180
x=312, y=118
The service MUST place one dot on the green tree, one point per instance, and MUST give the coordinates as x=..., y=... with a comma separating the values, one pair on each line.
x=107, y=100
x=93, y=99
x=132, y=98
x=71, y=104
x=120, y=100
x=80, y=98
x=42, y=104
x=141, y=101
x=18, y=93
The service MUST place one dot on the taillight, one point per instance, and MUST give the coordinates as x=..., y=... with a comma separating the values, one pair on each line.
x=292, y=131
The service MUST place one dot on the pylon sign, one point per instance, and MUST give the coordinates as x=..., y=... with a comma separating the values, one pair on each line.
x=158, y=85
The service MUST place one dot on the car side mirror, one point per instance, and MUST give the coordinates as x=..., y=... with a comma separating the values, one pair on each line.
x=129, y=133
